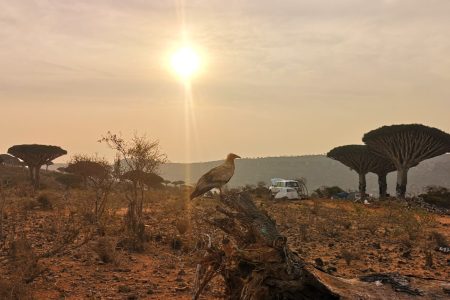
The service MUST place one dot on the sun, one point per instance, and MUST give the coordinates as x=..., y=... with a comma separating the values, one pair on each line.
x=185, y=62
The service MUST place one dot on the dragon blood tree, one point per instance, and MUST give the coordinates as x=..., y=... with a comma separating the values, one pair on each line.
x=35, y=156
x=406, y=146
x=382, y=167
x=358, y=158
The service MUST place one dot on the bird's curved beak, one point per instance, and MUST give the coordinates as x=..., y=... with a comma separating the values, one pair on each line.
x=237, y=156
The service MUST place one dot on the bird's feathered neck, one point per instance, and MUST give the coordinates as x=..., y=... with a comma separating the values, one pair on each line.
x=229, y=161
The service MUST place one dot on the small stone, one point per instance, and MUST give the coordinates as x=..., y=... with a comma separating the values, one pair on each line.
x=319, y=262
x=376, y=245
x=406, y=254
x=124, y=289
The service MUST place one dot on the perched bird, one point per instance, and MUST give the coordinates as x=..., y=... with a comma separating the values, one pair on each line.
x=216, y=177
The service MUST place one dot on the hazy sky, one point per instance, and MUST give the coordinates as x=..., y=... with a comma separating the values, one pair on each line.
x=279, y=77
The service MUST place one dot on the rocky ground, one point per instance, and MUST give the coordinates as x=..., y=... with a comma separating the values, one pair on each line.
x=340, y=237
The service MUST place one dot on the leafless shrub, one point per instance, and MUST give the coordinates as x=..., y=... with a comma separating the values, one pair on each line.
x=45, y=202
x=412, y=227
x=182, y=225
x=105, y=249
x=428, y=259
x=174, y=204
x=14, y=289
x=27, y=204
x=139, y=156
x=24, y=259
x=316, y=209
x=349, y=256
x=439, y=238
x=371, y=224
x=328, y=228
x=303, y=230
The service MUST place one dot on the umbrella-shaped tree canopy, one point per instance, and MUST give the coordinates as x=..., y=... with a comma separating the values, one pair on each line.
x=35, y=156
x=406, y=146
x=358, y=158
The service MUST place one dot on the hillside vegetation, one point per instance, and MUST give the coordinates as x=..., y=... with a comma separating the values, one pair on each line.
x=318, y=170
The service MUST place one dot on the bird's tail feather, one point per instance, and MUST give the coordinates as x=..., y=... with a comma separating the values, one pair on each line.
x=194, y=194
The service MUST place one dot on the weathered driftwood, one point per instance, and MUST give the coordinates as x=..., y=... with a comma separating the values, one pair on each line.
x=259, y=265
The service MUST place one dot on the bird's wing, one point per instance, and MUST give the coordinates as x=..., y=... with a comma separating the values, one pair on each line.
x=214, y=178
x=220, y=174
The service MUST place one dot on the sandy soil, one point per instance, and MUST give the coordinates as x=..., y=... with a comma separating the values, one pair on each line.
x=323, y=232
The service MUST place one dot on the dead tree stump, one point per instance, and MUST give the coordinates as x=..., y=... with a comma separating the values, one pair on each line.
x=256, y=264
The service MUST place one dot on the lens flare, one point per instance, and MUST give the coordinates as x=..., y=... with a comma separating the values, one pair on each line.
x=185, y=62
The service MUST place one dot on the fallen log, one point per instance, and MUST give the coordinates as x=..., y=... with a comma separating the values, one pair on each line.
x=256, y=263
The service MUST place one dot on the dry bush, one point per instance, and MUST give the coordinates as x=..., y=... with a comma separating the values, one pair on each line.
x=411, y=226
x=316, y=209
x=105, y=248
x=182, y=225
x=24, y=259
x=27, y=204
x=349, y=256
x=428, y=220
x=371, y=223
x=428, y=259
x=303, y=230
x=328, y=228
x=14, y=289
x=45, y=202
x=174, y=204
x=439, y=239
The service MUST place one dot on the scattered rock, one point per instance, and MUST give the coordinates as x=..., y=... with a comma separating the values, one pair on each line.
x=376, y=245
x=319, y=262
x=406, y=254
x=445, y=250
x=181, y=289
x=124, y=289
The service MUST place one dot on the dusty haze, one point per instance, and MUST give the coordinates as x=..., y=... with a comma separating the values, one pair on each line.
x=279, y=77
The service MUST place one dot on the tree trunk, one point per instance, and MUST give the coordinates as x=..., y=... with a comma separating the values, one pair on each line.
x=402, y=181
x=31, y=170
x=382, y=185
x=362, y=186
x=37, y=177
x=256, y=263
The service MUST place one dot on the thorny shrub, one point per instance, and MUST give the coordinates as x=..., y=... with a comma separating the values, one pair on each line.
x=349, y=256
x=105, y=248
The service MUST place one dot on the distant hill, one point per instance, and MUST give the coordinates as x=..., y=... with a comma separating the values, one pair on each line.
x=317, y=169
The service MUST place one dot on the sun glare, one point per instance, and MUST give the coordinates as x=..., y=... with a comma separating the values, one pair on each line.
x=185, y=62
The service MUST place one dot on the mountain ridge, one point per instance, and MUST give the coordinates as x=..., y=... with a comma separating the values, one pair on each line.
x=318, y=170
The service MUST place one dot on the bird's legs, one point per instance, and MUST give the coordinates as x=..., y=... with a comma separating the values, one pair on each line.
x=220, y=193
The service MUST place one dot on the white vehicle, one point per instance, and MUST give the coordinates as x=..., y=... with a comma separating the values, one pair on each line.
x=286, y=189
